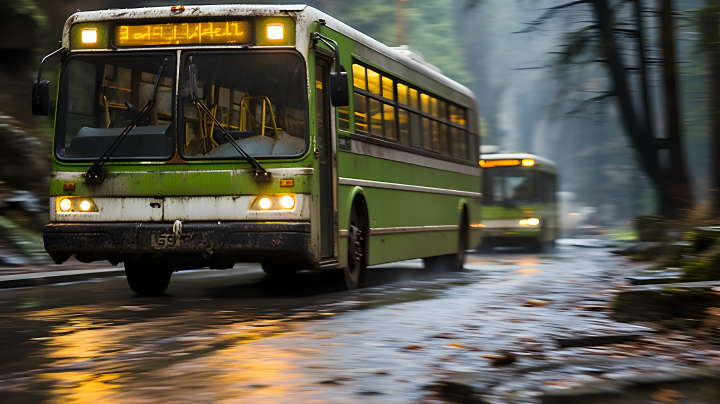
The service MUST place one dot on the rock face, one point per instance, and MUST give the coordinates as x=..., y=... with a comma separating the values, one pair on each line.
x=666, y=301
x=24, y=159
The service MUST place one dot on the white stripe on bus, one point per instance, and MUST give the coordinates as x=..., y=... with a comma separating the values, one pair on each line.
x=404, y=187
x=409, y=229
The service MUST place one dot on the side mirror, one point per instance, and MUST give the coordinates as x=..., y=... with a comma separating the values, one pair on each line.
x=41, y=91
x=339, y=90
x=41, y=98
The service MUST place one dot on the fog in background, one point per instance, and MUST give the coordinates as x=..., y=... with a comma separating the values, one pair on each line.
x=523, y=105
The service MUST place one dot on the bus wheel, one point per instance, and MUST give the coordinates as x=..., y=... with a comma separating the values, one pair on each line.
x=355, y=271
x=146, y=280
x=276, y=270
x=452, y=262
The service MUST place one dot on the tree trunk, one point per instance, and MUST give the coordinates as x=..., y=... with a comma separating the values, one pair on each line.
x=681, y=195
x=635, y=125
x=401, y=22
x=711, y=25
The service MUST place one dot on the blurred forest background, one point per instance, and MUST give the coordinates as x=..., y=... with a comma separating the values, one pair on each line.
x=528, y=101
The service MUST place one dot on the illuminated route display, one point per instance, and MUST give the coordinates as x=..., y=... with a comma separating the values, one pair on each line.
x=187, y=33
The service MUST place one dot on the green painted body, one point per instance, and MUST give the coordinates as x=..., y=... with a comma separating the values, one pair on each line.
x=386, y=208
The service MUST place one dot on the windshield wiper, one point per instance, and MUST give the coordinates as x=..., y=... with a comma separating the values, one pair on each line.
x=259, y=173
x=93, y=174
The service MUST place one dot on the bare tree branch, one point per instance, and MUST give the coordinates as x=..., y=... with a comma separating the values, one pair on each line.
x=584, y=104
x=548, y=14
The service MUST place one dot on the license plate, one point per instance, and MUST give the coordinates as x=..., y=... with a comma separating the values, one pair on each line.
x=168, y=240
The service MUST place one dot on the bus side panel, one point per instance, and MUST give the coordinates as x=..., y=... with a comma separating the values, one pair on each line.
x=390, y=208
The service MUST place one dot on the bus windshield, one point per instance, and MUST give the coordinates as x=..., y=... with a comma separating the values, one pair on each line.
x=510, y=187
x=260, y=98
x=100, y=96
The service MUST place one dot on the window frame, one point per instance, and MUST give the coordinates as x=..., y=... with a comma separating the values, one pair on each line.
x=428, y=150
x=62, y=108
x=180, y=138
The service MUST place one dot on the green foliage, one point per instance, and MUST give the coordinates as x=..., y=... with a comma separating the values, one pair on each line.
x=30, y=8
x=704, y=266
x=431, y=30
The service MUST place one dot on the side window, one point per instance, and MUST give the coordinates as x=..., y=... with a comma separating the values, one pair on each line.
x=385, y=107
x=374, y=99
x=359, y=100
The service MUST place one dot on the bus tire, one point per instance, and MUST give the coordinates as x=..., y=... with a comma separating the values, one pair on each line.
x=456, y=261
x=276, y=270
x=145, y=280
x=354, y=273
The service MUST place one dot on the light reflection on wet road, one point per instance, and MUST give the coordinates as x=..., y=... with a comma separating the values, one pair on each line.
x=235, y=336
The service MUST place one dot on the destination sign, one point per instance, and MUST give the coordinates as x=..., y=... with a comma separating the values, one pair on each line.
x=186, y=33
x=499, y=163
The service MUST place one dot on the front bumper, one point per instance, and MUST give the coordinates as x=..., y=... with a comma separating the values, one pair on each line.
x=199, y=244
x=512, y=232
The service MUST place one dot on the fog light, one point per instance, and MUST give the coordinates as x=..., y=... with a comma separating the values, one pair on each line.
x=85, y=206
x=523, y=222
x=533, y=222
x=287, y=202
x=65, y=205
x=265, y=203
x=89, y=36
x=275, y=32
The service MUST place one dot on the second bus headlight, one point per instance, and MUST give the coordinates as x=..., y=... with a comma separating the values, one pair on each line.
x=533, y=222
x=287, y=202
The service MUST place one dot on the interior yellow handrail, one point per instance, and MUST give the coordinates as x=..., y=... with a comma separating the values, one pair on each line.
x=245, y=111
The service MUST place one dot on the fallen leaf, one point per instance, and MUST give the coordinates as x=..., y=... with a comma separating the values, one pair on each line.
x=135, y=308
x=458, y=346
x=414, y=347
x=666, y=395
x=537, y=303
x=505, y=358
x=597, y=308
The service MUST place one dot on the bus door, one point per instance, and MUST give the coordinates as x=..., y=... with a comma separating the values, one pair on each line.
x=328, y=215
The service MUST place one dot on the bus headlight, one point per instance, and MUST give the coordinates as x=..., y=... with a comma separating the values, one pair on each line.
x=287, y=202
x=533, y=222
x=76, y=205
x=65, y=205
x=265, y=203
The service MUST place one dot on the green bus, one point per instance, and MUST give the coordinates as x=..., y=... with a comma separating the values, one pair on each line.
x=520, y=206
x=203, y=136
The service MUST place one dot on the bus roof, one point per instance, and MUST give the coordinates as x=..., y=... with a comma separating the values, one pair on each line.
x=304, y=15
x=519, y=156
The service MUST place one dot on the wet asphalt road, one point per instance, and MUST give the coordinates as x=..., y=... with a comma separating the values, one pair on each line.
x=237, y=336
